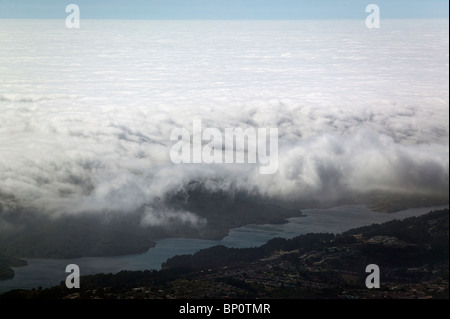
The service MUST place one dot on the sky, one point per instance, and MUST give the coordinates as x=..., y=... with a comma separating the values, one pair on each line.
x=223, y=9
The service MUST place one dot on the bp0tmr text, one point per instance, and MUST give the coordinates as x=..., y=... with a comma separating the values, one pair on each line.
x=247, y=308
x=232, y=308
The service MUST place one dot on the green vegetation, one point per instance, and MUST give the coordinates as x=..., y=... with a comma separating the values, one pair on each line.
x=220, y=256
x=6, y=263
x=35, y=235
x=73, y=237
x=413, y=255
x=121, y=234
x=390, y=203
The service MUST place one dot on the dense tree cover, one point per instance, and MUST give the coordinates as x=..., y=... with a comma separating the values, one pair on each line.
x=6, y=262
x=219, y=256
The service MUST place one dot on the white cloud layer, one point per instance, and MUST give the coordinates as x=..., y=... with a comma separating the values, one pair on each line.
x=86, y=116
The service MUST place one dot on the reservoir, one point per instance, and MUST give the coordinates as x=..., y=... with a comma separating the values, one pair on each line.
x=49, y=272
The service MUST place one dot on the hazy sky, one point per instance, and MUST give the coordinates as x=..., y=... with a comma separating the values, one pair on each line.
x=223, y=9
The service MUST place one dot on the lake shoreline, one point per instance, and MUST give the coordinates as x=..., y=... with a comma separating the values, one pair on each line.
x=47, y=272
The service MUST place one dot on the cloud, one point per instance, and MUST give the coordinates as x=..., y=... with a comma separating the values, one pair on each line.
x=154, y=217
x=351, y=119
